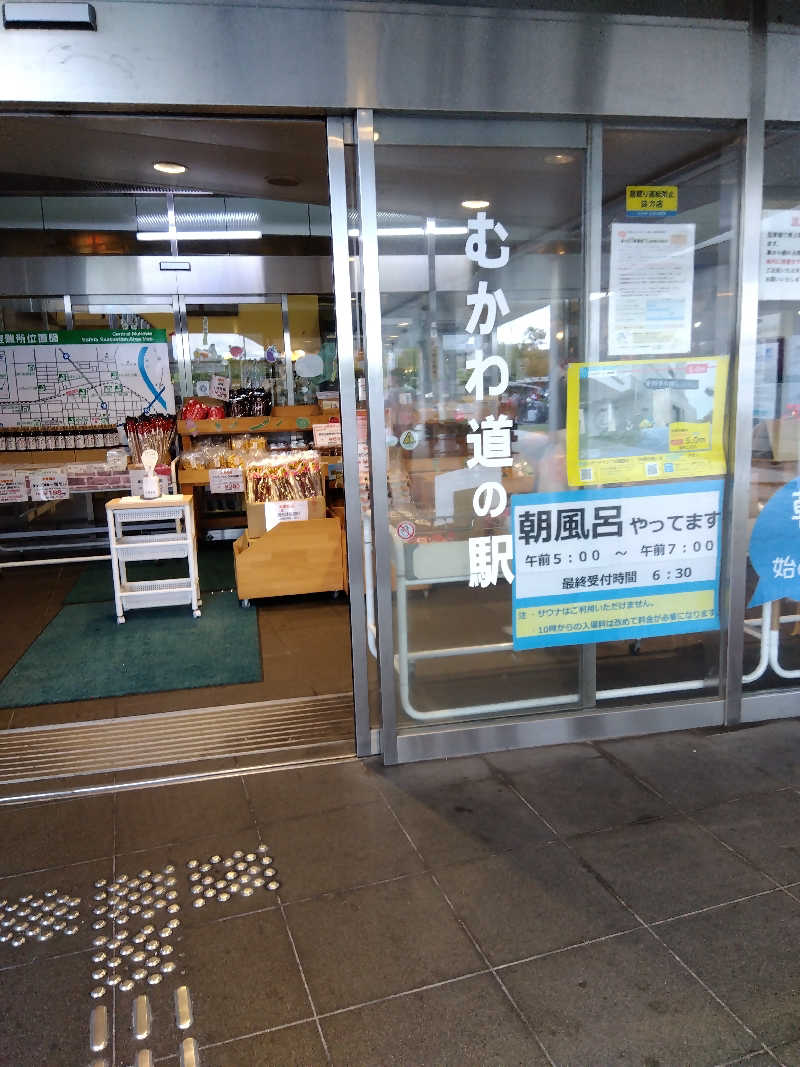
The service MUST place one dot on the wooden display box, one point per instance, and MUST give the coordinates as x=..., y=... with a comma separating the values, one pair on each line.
x=293, y=558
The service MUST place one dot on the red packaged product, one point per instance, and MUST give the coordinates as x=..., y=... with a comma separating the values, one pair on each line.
x=195, y=410
x=216, y=411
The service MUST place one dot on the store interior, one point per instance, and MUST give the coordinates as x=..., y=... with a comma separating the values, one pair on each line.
x=242, y=386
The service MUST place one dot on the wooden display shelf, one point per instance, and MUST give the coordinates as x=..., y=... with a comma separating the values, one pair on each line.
x=52, y=458
x=201, y=477
x=281, y=420
x=309, y=556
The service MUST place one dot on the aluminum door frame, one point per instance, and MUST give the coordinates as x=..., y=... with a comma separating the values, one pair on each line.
x=587, y=722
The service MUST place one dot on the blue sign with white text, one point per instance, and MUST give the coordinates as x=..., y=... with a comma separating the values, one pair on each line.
x=775, y=546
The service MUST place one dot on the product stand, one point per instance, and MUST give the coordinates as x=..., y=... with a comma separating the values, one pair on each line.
x=176, y=541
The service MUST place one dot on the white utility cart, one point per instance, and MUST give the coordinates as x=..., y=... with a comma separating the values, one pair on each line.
x=140, y=529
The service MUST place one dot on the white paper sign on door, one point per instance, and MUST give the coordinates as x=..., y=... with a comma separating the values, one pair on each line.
x=226, y=480
x=49, y=485
x=13, y=487
x=276, y=511
x=779, y=275
x=650, y=289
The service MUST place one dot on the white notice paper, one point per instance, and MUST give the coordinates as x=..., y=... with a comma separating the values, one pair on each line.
x=13, y=487
x=276, y=511
x=327, y=434
x=226, y=480
x=650, y=289
x=780, y=256
x=49, y=485
x=219, y=387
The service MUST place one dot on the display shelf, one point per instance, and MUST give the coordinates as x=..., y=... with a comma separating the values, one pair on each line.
x=155, y=544
x=200, y=477
x=281, y=420
x=308, y=556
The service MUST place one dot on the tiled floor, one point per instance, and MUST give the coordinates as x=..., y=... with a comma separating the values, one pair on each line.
x=633, y=902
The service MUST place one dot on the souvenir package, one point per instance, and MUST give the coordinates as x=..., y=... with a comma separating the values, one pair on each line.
x=284, y=476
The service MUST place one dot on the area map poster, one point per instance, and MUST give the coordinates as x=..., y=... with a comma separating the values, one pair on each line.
x=83, y=377
x=646, y=419
x=616, y=564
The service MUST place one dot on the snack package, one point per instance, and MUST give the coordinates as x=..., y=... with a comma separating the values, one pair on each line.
x=284, y=476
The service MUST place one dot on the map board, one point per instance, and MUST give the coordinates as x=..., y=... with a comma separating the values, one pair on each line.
x=83, y=377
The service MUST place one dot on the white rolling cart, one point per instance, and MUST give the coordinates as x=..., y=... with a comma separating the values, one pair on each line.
x=162, y=528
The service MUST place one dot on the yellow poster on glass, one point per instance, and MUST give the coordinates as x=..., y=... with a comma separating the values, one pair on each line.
x=637, y=420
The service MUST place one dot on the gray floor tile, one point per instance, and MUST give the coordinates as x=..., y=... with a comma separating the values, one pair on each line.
x=393, y=937
x=459, y=822
x=669, y=867
x=789, y=1054
x=523, y=760
x=625, y=1000
x=76, y=881
x=220, y=846
x=242, y=977
x=338, y=850
x=747, y=953
x=288, y=794
x=55, y=834
x=172, y=813
x=468, y=1022
x=427, y=775
x=765, y=828
x=583, y=791
x=291, y=1046
x=774, y=747
x=531, y=900
x=46, y=1009
x=688, y=770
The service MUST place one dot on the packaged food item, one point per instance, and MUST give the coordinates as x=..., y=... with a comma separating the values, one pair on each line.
x=284, y=476
x=194, y=410
x=216, y=411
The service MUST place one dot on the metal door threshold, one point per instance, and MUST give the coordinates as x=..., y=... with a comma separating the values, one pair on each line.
x=42, y=762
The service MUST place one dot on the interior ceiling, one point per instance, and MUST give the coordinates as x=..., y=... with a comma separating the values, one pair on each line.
x=530, y=193
x=231, y=157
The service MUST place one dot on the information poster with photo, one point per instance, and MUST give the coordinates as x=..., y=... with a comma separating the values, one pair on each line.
x=616, y=564
x=650, y=288
x=639, y=420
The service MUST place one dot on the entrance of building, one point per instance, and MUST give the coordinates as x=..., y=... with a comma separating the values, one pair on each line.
x=227, y=362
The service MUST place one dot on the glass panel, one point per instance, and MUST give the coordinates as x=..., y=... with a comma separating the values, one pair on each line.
x=242, y=342
x=772, y=630
x=659, y=420
x=454, y=643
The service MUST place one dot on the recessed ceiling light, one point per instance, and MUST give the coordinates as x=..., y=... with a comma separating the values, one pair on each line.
x=170, y=168
x=283, y=181
x=375, y=135
x=475, y=205
x=559, y=159
x=402, y=324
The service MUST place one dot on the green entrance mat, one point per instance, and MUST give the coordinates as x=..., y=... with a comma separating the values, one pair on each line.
x=84, y=654
x=214, y=563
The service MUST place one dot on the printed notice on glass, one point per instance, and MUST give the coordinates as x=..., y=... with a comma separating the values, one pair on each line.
x=779, y=275
x=226, y=480
x=616, y=564
x=13, y=487
x=49, y=485
x=642, y=420
x=650, y=289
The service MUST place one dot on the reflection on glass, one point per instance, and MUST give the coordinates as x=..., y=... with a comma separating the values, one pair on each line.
x=772, y=628
x=481, y=315
x=664, y=420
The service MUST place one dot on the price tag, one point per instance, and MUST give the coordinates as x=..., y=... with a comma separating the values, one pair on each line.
x=219, y=387
x=13, y=488
x=137, y=480
x=328, y=435
x=49, y=485
x=226, y=480
x=276, y=511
